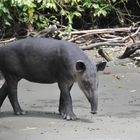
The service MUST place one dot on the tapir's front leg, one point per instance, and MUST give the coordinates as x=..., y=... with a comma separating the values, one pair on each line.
x=65, y=106
x=62, y=102
x=12, y=83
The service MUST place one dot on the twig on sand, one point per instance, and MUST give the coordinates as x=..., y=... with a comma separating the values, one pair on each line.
x=105, y=55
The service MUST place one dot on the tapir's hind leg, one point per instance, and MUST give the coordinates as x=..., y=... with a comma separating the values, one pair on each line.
x=3, y=93
x=12, y=83
x=65, y=104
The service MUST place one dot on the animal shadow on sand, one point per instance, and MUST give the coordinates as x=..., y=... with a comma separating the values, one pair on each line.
x=42, y=114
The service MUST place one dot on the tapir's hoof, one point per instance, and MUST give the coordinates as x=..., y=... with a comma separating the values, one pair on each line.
x=69, y=116
x=20, y=112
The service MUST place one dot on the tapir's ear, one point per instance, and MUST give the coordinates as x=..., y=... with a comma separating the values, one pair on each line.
x=80, y=66
x=101, y=66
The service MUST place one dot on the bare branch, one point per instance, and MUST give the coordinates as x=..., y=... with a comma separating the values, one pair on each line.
x=102, y=31
x=99, y=44
x=7, y=41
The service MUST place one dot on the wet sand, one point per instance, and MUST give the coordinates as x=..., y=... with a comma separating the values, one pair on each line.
x=118, y=115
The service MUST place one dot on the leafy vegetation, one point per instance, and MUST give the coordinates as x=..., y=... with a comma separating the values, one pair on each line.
x=39, y=14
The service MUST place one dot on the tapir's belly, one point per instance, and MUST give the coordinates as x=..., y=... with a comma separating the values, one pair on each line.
x=40, y=79
x=34, y=71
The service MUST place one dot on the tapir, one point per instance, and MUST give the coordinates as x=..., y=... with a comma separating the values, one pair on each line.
x=45, y=60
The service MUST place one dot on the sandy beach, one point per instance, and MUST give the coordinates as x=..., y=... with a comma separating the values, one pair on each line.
x=118, y=115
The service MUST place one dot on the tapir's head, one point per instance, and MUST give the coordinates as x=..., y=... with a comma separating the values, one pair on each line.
x=87, y=79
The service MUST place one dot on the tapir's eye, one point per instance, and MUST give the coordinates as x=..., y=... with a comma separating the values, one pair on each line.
x=86, y=84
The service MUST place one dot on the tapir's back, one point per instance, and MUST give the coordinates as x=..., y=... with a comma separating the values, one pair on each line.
x=44, y=45
x=50, y=49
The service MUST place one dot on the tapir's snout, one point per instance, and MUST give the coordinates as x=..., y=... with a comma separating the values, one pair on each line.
x=94, y=109
x=92, y=96
x=94, y=103
x=93, y=112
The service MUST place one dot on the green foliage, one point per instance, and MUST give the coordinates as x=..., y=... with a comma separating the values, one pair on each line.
x=41, y=13
x=5, y=13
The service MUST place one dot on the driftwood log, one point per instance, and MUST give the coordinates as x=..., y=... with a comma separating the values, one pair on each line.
x=130, y=50
x=114, y=40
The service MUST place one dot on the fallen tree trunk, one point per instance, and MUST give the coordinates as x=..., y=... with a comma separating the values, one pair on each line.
x=101, y=31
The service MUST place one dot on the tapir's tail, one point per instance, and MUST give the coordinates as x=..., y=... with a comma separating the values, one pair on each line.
x=1, y=76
